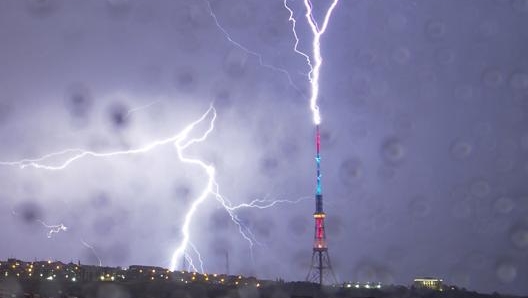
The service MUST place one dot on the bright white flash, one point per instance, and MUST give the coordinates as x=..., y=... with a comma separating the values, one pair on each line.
x=315, y=66
x=181, y=141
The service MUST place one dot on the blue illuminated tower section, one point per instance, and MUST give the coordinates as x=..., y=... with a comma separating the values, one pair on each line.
x=321, y=268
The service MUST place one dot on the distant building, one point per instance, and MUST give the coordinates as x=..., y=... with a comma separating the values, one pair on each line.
x=430, y=283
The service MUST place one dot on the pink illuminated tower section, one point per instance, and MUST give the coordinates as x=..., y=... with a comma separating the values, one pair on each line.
x=321, y=268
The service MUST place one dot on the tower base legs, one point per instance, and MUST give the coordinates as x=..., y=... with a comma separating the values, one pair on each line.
x=321, y=269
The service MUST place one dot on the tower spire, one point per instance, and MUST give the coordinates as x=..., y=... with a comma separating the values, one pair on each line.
x=321, y=268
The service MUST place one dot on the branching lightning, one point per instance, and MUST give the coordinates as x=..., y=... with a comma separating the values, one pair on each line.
x=53, y=229
x=143, y=107
x=315, y=66
x=247, y=50
x=181, y=141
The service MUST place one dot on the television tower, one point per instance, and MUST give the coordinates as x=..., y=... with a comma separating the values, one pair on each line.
x=321, y=268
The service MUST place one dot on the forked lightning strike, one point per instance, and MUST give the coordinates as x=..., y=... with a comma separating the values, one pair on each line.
x=53, y=229
x=315, y=66
x=181, y=141
x=247, y=50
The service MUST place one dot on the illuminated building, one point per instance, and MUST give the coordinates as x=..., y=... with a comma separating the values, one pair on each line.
x=428, y=283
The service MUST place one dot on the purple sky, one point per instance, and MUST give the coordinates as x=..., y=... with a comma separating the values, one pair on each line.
x=425, y=135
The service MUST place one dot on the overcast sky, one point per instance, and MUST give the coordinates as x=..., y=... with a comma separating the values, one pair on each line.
x=424, y=148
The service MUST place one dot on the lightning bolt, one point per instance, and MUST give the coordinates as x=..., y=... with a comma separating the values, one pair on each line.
x=181, y=141
x=93, y=251
x=143, y=107
x=53, y=229
x=247, y=50
x=315, y=66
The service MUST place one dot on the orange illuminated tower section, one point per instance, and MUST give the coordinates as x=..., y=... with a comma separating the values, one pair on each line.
x=321, y=268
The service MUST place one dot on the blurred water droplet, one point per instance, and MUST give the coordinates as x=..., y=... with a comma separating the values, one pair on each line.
x=492, y=77
x=397, y=21
x=351, y=171
x=104, y=225
x=42, y=7
x=185, y=80
x=235, y=63
x=392, y=151
x=5, y=112
x=461, y=149
x=241, y=14
x=488, y=29
x=504, y=163
x=219, y=220
x=419, y=207
x=520, y=5
x=386, y=172
x=480, y=188
x=29, y=211
x=524, y=141
x=298, y=225
x=462, y=209
x=269, y=166
x=506, y=272
x=503, y=205
x=79, y=100
x=519, y=80
x=463, y=92
x=119, y=7
x=101, y=201
x=118, y=114
x=445, y=55
x=401, y=55
x=519, y=236
x=435, y=30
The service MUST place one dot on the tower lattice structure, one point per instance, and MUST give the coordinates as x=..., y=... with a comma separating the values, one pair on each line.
x=321, y=267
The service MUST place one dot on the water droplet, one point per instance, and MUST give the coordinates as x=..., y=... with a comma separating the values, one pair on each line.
x=519, y=81
x=445, y=55
x=392, y=151
x=519, y=236
x=463, y=92
x=235, y=63
x=524, y=141
x=461, y=149
x=351, y=171
x=506, y=272
x=435, y=30
x=462, y=209
x=419, y=206
x=520, y=5
x=480, y=188
x=503, y=205
x=397, y=21
x=401, y=55
x=492, y=77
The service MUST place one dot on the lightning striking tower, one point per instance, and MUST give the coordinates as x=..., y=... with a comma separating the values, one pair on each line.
x=321, y=266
